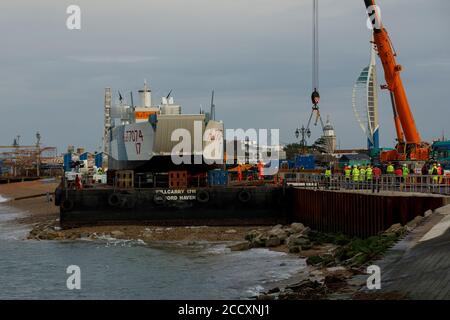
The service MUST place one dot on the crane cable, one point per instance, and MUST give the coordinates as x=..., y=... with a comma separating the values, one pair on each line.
x=315, y=46
x=315, y=96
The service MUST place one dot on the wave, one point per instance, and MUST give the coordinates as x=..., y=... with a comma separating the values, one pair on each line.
x=3, y=199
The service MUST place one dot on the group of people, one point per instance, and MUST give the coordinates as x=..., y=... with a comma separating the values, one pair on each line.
x=434, y=169
x=369, y=176
x=362, y=173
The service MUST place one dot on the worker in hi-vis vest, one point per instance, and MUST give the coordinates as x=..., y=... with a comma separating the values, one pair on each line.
x=405, y=171
x=328, y=176
x=355, y=173
x=348, y=174
x=369, y=174
x=390, y=169
x=362, y=174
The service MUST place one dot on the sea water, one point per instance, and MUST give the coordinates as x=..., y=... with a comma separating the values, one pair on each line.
x=118, y=269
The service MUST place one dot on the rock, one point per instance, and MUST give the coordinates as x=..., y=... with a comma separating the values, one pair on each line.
x=395, y=228
x=266, y=297
x=273, y=241
x=84, y=235
x=334, y=281
x=253, y=234
x=414, y=223
x=259, y=241
x=241, y=246
x=428, y=213
x=52, y=235
x=295, y=249
x=301, y=241
x=231, y=231
x=298, y=240
x=274, y=290
x=297, y=227
x=336, y=269
x=306, y=231
x=279, y=233
x=117, y=233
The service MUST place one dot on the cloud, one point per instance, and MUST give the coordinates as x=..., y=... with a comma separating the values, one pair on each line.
x=112, y=59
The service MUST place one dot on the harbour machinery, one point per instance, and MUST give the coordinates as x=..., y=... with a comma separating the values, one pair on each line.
x=410, y=146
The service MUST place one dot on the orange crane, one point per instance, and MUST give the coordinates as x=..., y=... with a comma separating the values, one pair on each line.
x=409, y=144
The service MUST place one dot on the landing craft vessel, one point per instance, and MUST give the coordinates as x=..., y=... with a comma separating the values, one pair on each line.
x=140, y=138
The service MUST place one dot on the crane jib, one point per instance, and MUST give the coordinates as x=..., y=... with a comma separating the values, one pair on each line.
x=373, y=11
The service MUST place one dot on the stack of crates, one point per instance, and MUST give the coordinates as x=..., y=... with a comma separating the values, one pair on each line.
x=125, y=179
x=218, y=177
x=178, y=179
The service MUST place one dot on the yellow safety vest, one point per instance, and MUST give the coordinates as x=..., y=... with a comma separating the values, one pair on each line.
x=390, y=169
x=355, y=174
x=348, y=172
x=362, y=174
x=405, y=172
x=369, y=173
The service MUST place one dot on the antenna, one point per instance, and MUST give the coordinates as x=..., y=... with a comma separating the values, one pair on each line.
x=170, y=92
x=213, y=107
x=131, y=97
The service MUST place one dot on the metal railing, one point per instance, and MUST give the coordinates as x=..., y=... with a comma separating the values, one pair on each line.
x=412, y=183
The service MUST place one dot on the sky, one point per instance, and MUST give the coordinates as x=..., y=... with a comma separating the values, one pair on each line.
x=255, y=54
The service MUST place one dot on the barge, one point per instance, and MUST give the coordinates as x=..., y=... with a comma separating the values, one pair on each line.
x=213, y=206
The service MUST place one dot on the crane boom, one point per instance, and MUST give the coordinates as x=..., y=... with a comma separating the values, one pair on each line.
x=412, y=146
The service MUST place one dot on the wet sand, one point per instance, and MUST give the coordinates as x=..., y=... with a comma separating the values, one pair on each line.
x=35, y=210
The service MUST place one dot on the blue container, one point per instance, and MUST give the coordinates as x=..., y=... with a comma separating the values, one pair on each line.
x=218, y=177
x=84, y=156
x=67, y=160
x=306, y=162
x=99, y=160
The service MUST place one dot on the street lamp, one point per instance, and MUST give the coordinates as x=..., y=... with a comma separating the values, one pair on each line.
x=38, y=154
x=304, y=133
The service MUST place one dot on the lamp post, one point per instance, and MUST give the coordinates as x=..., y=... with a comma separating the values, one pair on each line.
x=38, y=148
x=304, y=132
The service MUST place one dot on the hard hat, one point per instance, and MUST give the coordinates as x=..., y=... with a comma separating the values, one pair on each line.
x=404, y=164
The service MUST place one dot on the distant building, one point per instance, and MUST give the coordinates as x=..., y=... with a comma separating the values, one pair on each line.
x=329, y=137
x=365, y=102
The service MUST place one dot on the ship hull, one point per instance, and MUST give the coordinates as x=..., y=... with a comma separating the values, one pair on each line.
x=221, y=206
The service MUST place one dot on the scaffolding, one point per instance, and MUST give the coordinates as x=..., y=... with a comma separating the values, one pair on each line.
x=31, y=161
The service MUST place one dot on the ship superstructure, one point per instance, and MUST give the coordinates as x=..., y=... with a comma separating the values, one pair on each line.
x=141, y=138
